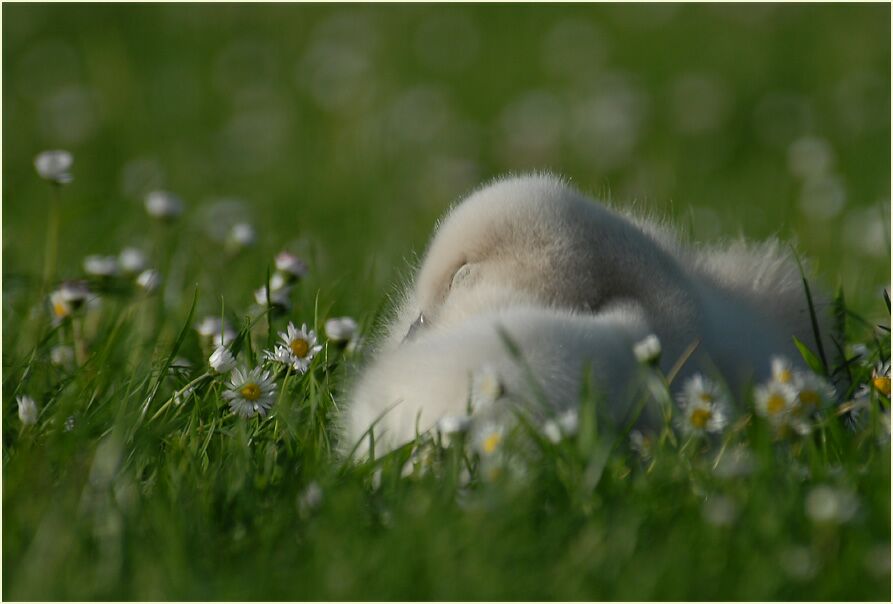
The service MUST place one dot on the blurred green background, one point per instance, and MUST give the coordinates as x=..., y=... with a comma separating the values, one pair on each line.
x=349, y=129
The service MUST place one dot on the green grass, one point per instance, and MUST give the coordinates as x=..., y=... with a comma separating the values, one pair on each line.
x=349, y=166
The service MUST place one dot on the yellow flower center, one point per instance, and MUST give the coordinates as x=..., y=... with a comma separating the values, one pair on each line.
x=706, y=397
x=809, y=398
x=250, y=392
x=490, y=387
x=299, y=347
x=60, y=309
x=700, y=417
x=775, y=404
x=882, y=383
x=491, y=442
x=784, y=376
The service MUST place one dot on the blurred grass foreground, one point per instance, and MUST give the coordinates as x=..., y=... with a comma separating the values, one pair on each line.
x=292, y=161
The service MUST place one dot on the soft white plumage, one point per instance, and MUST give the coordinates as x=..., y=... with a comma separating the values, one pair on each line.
x=575, y=285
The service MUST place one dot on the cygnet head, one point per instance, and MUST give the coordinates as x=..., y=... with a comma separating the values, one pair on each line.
x=531, y=240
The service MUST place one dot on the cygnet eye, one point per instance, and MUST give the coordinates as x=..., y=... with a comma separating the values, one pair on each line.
x=460, y=275
x=415, y=327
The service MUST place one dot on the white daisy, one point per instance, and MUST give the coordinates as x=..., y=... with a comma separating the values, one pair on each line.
x=251, y=392
x=341, y=330
x=27, y=410
x=222, y=360
x=775, y=401
x=74, y=292
x=782, y=371
x=59, y=306
x=279, y=354
x=101, y=266
x=54, y=166
x=163, y=205
x=880, y=378
x=704, y=406
x=132, y=261
x=68, y=298
x=293, y=267
x=813, y=392
x=149, y=280
x=643, y=444
x=488, y=439
x=486, y=388
x=298, y=348
x=648, y=350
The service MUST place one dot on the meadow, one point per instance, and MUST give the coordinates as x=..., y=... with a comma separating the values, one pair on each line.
x=338, y=134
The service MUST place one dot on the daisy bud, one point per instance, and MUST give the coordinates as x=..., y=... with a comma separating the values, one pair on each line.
x=826, y=504
x=279, y=298
x=293, y=267
x=341, y=330
x=27, y=410
x=552, y=431
x=132, y=261
x=453, y=424
x=277, y=281
x=222, y=361
x=180, y=364
x=310, y=499
x=563, y=426
x=648, y=350
x=208, y=326
x=149, y=280
x=62, y=356
x=101, y=266
x=163, y=205
x=486, y=388
x=54, y=166
x=242, y=235
x=213, y=328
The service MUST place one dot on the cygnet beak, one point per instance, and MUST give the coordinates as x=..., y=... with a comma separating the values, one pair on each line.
x=417, y=325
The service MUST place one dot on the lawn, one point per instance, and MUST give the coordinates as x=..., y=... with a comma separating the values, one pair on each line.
x=340, y=134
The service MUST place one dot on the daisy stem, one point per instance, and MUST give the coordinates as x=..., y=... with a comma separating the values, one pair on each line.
x=284, y=386
x=52, y=242
x=80, y=346
x=178, y=393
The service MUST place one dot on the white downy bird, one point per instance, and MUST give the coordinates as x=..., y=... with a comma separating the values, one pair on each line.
x=575, y=285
